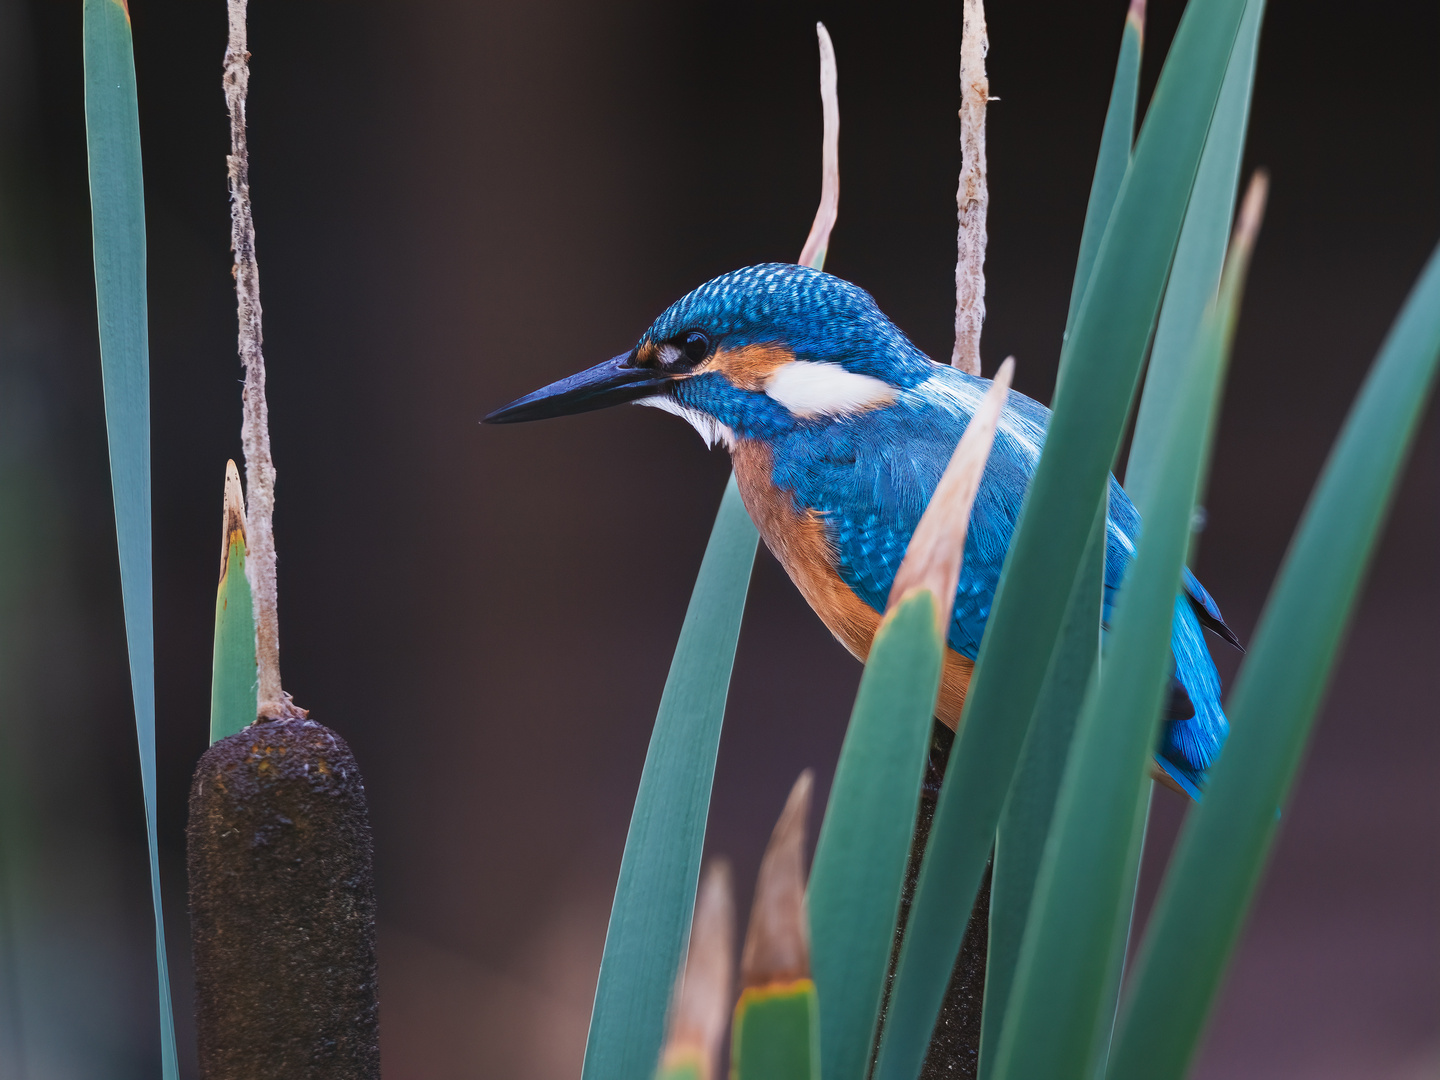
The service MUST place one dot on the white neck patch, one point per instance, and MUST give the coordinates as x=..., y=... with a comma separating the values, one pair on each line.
x=710, y=429
x=807, y=388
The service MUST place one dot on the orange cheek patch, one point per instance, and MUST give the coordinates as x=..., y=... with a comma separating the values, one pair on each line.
x=750, y=366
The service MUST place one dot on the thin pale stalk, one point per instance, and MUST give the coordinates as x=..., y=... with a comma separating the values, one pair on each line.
x=817, y=244
x=272, y=701
x=972, y=198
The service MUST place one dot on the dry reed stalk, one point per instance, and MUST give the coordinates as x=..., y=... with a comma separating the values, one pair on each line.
x=817, y=244
x=273, y=703
x=973, y=196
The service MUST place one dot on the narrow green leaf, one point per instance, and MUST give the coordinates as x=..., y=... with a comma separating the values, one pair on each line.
x=1025, y=820
x=1194, y=275
x=1030, y=806
x=1198, y=259
x=1114, y=156
x=776, y=1033
x=650, y=919
x=1224, y=845
x=233, y=687
x=864, y=842
x=1124, y=924
x=117, y=201
x=650, y=916
x=1100, y=367
x=1081, y=900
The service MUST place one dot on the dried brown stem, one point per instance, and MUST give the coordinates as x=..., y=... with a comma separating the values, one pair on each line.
x=817, y=244
x=273, y=702
x=777, y=943
x=973, y=197
x=703, y=992
x=233, y=525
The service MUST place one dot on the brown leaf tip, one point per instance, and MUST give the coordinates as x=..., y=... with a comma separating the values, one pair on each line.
x=777, y=943
x=932, y=560
x=703, y=997
x=233, y=516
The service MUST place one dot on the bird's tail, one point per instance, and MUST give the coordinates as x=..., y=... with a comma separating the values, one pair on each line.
x=1195, y=727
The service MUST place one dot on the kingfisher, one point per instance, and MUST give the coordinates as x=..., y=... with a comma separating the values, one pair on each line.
x=839, y=428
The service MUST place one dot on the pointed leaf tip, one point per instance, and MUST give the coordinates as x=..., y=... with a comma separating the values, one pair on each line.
x=233, y=521
x=703, y=991
x=777, y=943
x=932, y=561
x=1136, y=16
x=1247, y=223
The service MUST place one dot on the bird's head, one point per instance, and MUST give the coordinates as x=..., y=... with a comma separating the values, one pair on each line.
x=752, y=353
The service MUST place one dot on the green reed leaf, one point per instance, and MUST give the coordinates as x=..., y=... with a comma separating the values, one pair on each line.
x=655, y=897
x=1100, y=367
x=1029, y=809
x=1082, y=895
x=233, y=680
x=860, y=856
x=117, y=201
x=1223, y=847
x=1114, y=155
x=1199, y=257
x=1025, y=819
x=650, y=917
x=776, y=1033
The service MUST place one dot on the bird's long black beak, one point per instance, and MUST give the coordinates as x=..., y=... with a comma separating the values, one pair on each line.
x=599, y=387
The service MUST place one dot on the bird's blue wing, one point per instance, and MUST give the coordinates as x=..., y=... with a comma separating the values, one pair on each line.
x=871, y=478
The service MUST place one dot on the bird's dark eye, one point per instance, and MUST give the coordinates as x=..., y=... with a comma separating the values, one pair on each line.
x=696, y=346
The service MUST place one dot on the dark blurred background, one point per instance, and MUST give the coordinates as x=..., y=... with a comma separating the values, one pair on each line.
x=457, y=202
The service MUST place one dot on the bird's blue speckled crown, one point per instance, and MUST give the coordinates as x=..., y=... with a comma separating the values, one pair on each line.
x=815, y=315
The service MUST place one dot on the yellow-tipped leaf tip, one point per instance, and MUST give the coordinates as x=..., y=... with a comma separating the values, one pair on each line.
x=932, y=560
x=703, y=1000
x=777, y=942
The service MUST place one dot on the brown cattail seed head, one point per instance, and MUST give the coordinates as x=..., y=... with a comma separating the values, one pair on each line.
x=282, y=908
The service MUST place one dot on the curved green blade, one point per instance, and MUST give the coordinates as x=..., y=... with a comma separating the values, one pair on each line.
x=650, y=917
x=1101, y=364
x=117, y=202
x=1030, y=807
x=1199, y=257
x=1025, y=819
x=655, y=897
x=864, y=843
x=1083, y=892
x=1223, y=848
x=1113, y=157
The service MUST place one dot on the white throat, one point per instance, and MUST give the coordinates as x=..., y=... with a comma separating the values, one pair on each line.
x=710, y=429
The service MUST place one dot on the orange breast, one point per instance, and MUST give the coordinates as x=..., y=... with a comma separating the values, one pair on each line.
x=798, y=539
